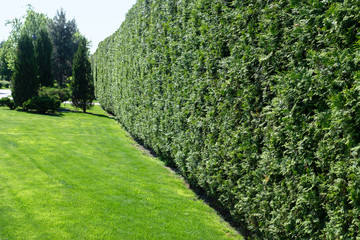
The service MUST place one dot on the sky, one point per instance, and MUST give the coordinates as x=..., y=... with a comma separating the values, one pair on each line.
x=95, y=19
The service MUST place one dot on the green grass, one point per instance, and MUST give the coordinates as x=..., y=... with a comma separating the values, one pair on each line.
x=79, y=176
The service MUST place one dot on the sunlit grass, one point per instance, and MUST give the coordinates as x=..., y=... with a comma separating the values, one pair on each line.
x=79, y=176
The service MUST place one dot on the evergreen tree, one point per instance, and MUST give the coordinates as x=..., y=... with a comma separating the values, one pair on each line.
x=25, y=83
x=63, y=36
x=43, y=58
x=82, y=87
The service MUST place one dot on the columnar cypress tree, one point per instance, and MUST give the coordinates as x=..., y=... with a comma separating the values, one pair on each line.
x=82, y=86
x=43, y=58
x=25, y=82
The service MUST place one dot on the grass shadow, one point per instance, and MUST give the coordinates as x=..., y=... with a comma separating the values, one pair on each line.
x=55, y=114
x=93, y=114
x=61, y=109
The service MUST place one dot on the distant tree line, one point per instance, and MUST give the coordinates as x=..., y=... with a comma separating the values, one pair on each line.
x=63, y=34
x=38, y=55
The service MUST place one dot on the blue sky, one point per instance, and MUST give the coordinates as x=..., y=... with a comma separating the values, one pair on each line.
x=95, y=19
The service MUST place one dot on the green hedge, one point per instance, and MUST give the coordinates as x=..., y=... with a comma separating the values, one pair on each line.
x=256, y=102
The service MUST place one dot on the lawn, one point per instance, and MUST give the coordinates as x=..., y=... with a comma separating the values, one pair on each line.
x=79, y=176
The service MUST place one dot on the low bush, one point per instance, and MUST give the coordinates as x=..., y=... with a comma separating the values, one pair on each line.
x=61, y=94
x=7, y=102
x=42, y=104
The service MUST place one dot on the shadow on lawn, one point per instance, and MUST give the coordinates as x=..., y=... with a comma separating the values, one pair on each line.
x=60, y=111
x=55, y=114
x=93, y=114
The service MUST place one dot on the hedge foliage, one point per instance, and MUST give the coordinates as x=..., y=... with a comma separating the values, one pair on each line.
x=256, y=102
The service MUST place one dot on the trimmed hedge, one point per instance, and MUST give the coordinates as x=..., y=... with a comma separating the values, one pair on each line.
x=256, y=102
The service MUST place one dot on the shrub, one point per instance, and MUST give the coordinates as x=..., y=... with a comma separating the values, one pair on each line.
x=61, y=94
x=256, y=102
x=42, y=104
x=7, y=102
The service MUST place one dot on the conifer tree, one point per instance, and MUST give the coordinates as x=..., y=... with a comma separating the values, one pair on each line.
x=25, y=82
x=43, y=58
x=63, y=34
x=82, y=87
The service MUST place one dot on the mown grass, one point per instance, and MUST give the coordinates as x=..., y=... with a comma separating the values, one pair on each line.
x=79, y=176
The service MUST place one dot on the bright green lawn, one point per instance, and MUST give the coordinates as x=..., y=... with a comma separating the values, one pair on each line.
x=79, y=176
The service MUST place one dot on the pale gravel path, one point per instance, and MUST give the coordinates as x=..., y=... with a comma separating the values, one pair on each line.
x=70, y=103
x=5, y=93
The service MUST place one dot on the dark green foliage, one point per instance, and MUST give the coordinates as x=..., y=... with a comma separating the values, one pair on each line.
x=25, y=82
x=42, y=104
x=62, y=33
x=43, y=48
x=256, y=102
x=61, y=94
x=82, y=86
x=7, y=102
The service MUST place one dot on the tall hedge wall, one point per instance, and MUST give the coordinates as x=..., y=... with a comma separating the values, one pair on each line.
x=256, y=102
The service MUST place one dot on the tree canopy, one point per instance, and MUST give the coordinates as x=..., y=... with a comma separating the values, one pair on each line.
x=31, y=24
x=5, y=71
x=64, y=35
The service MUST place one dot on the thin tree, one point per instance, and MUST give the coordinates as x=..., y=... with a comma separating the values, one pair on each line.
x=65, y=43
x=25, y=82
x=43, y=48
x=82, y=86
